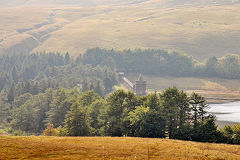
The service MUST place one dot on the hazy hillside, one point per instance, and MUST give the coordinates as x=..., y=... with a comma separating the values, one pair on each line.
x=197, y=27
x=69, y=2
x=163, y=3
x=194, y=2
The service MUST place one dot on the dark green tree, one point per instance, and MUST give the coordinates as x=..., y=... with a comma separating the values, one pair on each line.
x=99, y=89
x=146, y=122
x=176, y=110
x=11, y=93
x=60, y=104
x=76, y=122
x=94, y=113
x=67, y=58
x=25, y=118
x=14, y=75
x=112, y=114
x=198, y=108
x=208, y=132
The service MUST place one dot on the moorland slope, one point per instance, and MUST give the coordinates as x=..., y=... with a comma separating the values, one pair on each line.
x=199, y=28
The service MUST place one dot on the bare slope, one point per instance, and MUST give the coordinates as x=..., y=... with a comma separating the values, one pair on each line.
x=86, y=3
x=199, y=28
x=163, y=3
x=201, y=32
x=112, y=148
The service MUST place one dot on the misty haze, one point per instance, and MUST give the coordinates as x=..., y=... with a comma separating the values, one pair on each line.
x=120, y=79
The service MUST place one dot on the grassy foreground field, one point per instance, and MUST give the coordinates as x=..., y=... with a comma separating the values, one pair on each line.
x=112, y=148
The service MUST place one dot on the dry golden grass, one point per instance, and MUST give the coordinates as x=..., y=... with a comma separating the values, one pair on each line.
x=198, y=31
x=12, y=19
x=112, y=148
x=189, y=29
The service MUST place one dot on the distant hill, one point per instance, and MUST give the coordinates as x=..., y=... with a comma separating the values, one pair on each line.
x=200, y=28
x=68, y=2
x=164, y=3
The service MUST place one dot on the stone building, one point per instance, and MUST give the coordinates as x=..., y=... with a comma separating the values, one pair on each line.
x=140, y=87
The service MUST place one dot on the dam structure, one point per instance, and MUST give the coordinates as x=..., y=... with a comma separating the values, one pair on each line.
x=139, y=88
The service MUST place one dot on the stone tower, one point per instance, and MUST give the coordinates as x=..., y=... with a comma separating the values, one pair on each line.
x=140, y=88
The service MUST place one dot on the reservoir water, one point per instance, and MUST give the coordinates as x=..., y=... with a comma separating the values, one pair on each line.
x=226, y=111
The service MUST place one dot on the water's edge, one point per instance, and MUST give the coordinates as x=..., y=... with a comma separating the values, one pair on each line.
x=226, y=112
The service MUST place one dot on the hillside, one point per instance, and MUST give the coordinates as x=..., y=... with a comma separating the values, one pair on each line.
x=198, y=28
x=112, y=148
x=163, y=3
x=86, y=3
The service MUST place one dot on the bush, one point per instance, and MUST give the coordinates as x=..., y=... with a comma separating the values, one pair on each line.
x=20, y=133
x=50, y=131
x=61, y=131
x=3, y=132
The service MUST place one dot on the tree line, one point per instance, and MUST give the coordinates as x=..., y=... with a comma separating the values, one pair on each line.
x=34, y=73
x=26, y=75
x=60, y=95
x=161, y=62
x=70, y=112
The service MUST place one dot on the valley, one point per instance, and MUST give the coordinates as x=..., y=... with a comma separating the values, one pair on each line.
x=67, y=66
x=215, y=90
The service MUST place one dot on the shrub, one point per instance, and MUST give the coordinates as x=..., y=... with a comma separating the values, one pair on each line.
x=50, y=131
x=61, y=131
